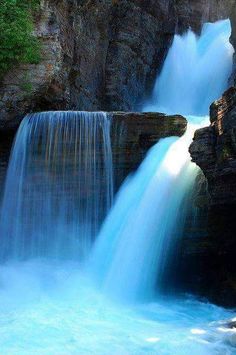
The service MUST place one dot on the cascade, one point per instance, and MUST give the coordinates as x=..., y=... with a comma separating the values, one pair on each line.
x=195, y=72
x=147, y=218
x=58, y=190
x=59, y=185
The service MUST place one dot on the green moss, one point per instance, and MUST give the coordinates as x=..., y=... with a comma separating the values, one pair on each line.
x=225, y=154
x=17, y=42
x=27, y=87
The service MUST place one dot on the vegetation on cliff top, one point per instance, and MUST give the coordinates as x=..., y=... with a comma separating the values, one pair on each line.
x=17, y=42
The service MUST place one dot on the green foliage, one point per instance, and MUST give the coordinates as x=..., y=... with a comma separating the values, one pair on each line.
x=26, y=86
x=17, y=43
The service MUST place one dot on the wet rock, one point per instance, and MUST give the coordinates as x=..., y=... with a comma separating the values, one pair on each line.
x=134, y=133
x=195, y=13
x=231, y=325
x=6, y=139
x=214, y=150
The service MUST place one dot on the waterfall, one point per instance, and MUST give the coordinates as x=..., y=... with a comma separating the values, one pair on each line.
x=59, y=186
x=147, y=219
x=58, y=190
x=195, y=72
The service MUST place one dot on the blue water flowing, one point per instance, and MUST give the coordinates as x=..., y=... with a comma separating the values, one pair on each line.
x=51, y=304
x=132, y=249
x=59, y=186
x=195, y=73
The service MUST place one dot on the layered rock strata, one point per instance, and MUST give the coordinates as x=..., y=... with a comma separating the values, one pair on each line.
x=214, y=150
x=134, y=133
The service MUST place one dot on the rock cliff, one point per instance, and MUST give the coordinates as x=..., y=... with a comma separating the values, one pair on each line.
x=100, y=54
x=214, y=150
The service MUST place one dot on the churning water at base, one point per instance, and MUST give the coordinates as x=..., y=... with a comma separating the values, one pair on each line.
x=54, y=307
x=59, y=185
x=51, y=308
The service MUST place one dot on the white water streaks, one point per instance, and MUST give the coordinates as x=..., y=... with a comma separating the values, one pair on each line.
x=51, y=307
x=195, y=73
x=59, y=186
x=132, y=249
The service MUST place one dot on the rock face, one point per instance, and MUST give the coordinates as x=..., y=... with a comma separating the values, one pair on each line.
x=6, y=139
x=194, y=13
x=95, y=55
x=134, y=133
x=22, y=87
x=214, y=150
x=99, y=54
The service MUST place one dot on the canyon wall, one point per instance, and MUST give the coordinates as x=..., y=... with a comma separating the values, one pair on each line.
x=207, y=263
x=212, y=254
x=99, y=54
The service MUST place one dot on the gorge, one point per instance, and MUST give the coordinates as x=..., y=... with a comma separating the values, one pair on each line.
x=110, y=235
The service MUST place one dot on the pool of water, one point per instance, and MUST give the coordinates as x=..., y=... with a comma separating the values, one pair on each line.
x=53, y=308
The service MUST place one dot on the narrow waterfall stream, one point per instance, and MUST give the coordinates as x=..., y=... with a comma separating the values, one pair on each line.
x=147, y=217
x=62, y=294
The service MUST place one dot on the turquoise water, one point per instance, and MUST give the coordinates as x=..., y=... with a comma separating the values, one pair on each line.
x=58, y=300
x=147, y=219
x=52, y=308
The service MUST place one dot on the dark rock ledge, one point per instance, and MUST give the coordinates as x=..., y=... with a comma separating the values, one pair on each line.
x=134, y=133
x=214, y=150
